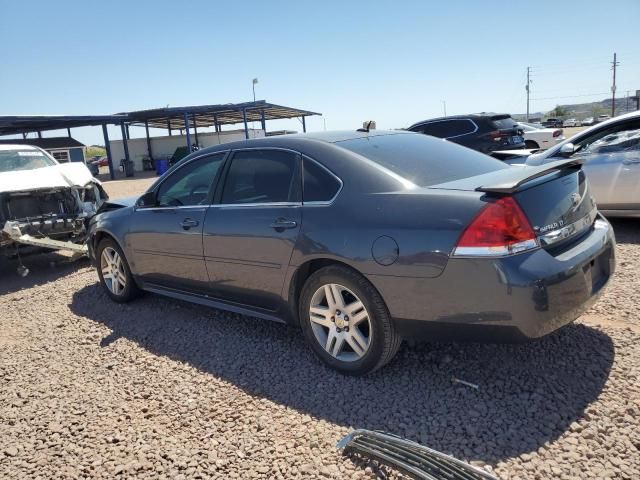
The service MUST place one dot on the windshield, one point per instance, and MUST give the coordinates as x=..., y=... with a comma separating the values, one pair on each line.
x=16, y=160
x=421, y=159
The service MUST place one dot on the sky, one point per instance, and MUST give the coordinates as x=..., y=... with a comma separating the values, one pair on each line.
x=392, y=62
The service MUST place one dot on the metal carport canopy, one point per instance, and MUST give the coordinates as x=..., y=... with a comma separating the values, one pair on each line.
x=16, y=124
x=213, y=115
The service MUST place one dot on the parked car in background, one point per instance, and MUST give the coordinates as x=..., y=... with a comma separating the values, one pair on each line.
x=552, y=123
x=93, y=168
x=571, y=122
x=610, y=152
x=540, y=137
x=587, y=122
x=362, y=239
x=483, y=132
x=602, y=118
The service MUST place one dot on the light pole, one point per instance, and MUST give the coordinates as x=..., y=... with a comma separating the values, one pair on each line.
x=253, y=85
x=444, y=106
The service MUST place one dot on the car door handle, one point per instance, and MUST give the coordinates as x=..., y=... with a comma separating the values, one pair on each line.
x=282, y=223
x=187, y=223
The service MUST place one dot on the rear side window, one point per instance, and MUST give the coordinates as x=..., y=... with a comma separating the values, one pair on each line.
x=435, y=129
x=504, y=123
x=422, y=160
x=318, y=185
x=448, y=128
x=263, y=176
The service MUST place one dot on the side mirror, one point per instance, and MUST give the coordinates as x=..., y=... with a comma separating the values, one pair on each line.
x=147, y=200
x=567, y=148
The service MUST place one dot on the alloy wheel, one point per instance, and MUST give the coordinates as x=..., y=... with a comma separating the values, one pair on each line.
x=340, y=322
x=113, y=272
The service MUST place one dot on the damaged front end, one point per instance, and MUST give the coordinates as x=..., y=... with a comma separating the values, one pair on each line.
x=55, y=218
x=410, y=457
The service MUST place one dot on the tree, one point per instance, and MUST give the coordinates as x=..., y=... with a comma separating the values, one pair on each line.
x=558, y=111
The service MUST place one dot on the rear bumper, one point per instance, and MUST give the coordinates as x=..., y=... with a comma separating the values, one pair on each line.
x=514, y=298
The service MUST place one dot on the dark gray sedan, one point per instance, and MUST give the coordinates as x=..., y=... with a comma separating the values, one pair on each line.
x=363, y=239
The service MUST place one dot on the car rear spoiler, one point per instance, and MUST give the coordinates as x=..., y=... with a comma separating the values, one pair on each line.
x=522, y=175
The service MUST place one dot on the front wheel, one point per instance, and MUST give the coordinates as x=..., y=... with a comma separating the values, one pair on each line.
x=346, y=322
x=114, y=273
x=531, y=144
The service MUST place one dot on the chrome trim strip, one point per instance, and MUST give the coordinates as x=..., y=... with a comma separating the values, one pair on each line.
x=501, y=251
x=266, y=204
x=567, y=231
x=195, y=208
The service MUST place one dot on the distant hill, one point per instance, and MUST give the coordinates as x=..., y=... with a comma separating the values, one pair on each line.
x=584, y=110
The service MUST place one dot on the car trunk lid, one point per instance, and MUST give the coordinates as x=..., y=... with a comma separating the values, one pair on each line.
x=554, y=197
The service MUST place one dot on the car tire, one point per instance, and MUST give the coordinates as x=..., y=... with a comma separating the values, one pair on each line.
x=361, y=344
x=114, y=272
x=531, y=144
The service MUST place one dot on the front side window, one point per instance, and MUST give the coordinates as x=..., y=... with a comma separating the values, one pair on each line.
x=190, y=184
x=318, y=184
x=262, y=176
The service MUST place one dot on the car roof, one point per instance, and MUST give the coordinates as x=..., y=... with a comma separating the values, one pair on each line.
x=14, y=146
x=472, y=116
x=295, y=139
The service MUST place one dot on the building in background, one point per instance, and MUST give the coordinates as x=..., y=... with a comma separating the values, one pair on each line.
x=63, y=149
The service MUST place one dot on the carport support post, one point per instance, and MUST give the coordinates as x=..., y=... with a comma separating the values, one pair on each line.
x=69, y=132
x=195, y=127
x=169, y=126
x=304, y=125
x=246, y=127
x=146, y=128
x=124, y=142
x=263, y=122
x=186, y=127
x=107, y=147
x=215, y=122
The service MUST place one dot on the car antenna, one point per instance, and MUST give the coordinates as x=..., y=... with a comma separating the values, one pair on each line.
x=365, y=128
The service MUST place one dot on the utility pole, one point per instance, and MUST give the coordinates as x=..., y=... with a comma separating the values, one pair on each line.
x=614, y=65
x=526, y=87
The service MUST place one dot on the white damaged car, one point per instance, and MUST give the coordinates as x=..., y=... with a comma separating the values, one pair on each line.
x=44, y=203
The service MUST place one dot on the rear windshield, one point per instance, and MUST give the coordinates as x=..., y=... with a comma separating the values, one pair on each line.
x=421, y=159
x=504, y=123
x=15, y=160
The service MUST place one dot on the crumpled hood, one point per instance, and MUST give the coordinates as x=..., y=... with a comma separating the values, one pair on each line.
x=62, y=175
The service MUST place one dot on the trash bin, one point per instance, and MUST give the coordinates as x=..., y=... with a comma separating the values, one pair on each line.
x=162, y=165
x=128, y=168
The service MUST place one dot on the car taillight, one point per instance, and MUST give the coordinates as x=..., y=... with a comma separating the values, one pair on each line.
x=494, y=135
x=501, y=228
x=557, y=133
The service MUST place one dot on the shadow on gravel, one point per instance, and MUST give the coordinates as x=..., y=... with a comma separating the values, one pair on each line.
x=627, y=230
x=43, y=268
x=529, y=394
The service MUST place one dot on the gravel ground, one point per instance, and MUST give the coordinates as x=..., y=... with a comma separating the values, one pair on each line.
x=164, y=389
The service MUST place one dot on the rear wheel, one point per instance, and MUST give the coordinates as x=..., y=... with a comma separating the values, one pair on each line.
x=531, y=144
x=346, y=322
x=113, y=270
